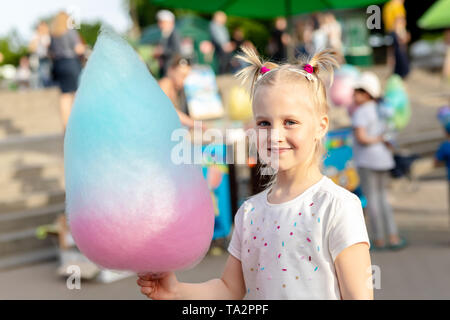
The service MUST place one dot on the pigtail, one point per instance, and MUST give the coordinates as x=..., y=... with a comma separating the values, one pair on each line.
x=324, y=60
x=249, y=75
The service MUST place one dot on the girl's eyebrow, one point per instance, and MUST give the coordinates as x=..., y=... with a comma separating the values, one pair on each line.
x=261, y=117
x=296, y=116
x=291, y=116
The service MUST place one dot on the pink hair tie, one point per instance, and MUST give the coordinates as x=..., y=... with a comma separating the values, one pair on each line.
x=264, y=69
x=308, y=68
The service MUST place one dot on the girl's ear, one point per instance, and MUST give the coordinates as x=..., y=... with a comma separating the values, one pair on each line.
x=322, y=128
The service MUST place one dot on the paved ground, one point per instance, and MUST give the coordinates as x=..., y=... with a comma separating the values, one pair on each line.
x=420, y=271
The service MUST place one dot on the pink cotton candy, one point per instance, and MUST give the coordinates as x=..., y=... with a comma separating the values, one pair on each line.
x=130, y=205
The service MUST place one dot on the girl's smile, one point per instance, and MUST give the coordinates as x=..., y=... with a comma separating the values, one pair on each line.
x=279, y=150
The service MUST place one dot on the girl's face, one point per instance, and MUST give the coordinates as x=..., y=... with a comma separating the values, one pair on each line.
x=360, y=97
x=286, y=125
x=179, y=74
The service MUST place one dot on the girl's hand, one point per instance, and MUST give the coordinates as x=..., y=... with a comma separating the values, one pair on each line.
x=159, y=287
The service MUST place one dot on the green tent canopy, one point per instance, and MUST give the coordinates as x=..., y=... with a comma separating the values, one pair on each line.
x=265, y=9
x=437, y=16
x=188, y=26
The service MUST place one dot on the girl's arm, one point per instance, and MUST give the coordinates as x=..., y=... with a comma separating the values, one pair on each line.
x=185, y=119
x=354, y=272
x=168, y=89
x=230, y=286
x=363, y=138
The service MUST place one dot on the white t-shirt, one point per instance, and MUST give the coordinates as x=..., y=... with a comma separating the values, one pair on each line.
x=287, y=250
x=375, y=156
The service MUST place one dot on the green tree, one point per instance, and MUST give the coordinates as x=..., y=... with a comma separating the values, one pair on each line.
x=89, y=32
x=257, y=31
x=12, y=48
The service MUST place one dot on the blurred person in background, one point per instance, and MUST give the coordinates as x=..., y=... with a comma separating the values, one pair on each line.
x=392, y=10
x=446, y=67
x=320, y=34
x=238, y=39
x=65, y=47
x=279, y=41
x=304, y=31
x=401, y=37
x=334, y=32
x=373, y=159
x=23, y=73
x=220, y=38
x=238, y=42
x=170, y=43
x=207, y=50
x=39, y=46
x=173, y=86
x=394, y=19
x=442, y=158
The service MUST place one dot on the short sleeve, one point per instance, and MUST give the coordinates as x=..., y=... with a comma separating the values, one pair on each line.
x=74, y=38
x=347, y=226
x=360, y=118
x=234, y=247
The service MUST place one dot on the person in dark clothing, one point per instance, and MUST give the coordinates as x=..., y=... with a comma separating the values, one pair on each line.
x=221, y=41
x=279, y=41
x=65, y=47
x=305, y=36
x=39, y=46
x=169, y=45
x=238, y=40
x=398, y=51
x=400, y=37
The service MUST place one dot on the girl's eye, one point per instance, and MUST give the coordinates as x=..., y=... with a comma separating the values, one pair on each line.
x=291, y=122
x=263, y=123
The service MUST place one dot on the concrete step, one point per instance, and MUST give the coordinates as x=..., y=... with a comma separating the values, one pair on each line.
x=21, y=259
x=424, y=143
x=19, y=244
x=39, y=180
x=25, y=171
x=33, y=200
x=23, y=242
x=31, y=172
x=45, y=143
x=30, y=112
x=16, y=221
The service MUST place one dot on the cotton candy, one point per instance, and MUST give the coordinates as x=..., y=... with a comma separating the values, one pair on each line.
x=129, y=206
x=341, y=92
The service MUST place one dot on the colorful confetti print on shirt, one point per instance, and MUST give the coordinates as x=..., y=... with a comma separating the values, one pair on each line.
x=248, y=207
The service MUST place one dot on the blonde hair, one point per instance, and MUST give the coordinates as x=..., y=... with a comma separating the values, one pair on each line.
x=324, y=60
x=59, y=24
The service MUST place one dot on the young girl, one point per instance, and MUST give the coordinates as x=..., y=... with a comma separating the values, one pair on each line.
x=304, y=237
x=373, y=160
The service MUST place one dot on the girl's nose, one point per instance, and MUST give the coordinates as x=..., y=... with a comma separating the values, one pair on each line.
x=277, y=135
